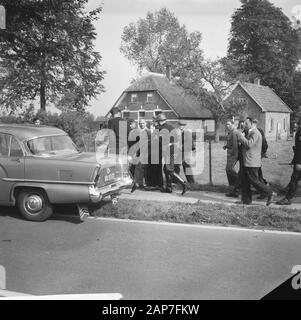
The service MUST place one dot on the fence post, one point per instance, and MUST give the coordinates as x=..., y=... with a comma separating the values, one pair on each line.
x=210, y=163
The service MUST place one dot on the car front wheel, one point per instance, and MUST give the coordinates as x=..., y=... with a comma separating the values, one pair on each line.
x=34, y=205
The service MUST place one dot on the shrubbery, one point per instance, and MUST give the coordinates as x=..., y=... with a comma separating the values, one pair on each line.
x=79, y=125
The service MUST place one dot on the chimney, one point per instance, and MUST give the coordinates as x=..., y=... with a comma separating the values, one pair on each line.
x=257, y=81
x=168, y=72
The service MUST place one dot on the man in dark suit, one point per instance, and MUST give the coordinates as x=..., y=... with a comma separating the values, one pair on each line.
x=252, y=145
x=232, y=158
x=296, y=175
x=168, y=148
x=116, y=123
x=154, y=179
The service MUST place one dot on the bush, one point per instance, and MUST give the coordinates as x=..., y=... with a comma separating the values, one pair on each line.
x=77, y=124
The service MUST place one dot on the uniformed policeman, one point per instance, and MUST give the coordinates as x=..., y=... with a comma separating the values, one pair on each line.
x=296, y=175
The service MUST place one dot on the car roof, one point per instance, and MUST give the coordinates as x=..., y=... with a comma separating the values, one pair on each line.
x=25, y=131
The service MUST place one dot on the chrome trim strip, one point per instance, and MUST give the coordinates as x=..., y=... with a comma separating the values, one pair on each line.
x=88, y=183
x=45, y=136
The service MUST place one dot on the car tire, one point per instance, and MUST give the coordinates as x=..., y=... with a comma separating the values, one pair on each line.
x=34, y=205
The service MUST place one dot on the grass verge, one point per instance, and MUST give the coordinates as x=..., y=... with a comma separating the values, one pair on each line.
x=258, y=217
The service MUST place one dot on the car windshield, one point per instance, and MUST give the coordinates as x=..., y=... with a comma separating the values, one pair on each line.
x=52, y=145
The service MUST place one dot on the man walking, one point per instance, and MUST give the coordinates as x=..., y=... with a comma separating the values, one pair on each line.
x=264, y=148
x=252, y=145
x=165, y=146
x=296, y=175
x=232, y=158
x=186, y=166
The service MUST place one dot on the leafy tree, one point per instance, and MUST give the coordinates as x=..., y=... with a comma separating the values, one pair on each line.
x=159, y=40
x=209, y=83
x=47, y=51
x=263, y=44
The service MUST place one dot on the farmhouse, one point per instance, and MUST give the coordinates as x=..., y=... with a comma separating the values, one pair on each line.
x=262, y=103
x=154, y=93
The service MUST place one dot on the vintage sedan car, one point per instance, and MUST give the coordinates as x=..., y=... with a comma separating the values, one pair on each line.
x=40, y=167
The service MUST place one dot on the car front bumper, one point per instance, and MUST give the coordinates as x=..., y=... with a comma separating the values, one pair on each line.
x=98, y=194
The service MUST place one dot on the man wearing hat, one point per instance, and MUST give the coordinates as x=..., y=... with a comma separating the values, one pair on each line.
x=169, y=166
x=186, y=166
x=154, y=176
x=296, y=175
x=116, y=123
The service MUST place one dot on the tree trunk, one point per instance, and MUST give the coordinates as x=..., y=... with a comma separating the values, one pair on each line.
x=43, y=96
x=43, y=83
x=217, y=126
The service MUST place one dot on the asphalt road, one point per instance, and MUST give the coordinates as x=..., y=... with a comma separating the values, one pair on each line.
x=142, y=261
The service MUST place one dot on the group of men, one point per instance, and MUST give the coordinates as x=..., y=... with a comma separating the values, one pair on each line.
x=247, y=145
x=149, y=176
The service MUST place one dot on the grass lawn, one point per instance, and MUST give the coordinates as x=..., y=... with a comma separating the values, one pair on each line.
x=258, y=217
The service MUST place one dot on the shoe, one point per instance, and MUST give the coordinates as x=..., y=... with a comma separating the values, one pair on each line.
x=261, y=197
x=141, y=187
x=232, y=195
x=185, y=188
x=284, y=202
x=134, y=187
x=162, y=189
x=271, y=198
x=166, y=190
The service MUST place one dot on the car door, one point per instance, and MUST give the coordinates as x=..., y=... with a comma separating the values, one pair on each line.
x=11, y=165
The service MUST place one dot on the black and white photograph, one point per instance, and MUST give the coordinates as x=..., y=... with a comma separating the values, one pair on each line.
x=150, y=151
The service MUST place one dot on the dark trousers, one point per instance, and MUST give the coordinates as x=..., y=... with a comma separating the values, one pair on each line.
x=139, y=174
x=237, y=185
x=250, y=177
x=169, y=170
x=232, y=175
x=154, y=177
x=260, y=175
x=293, y=185
x=190, y=178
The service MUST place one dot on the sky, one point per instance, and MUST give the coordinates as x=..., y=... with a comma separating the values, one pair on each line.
x=211, y=17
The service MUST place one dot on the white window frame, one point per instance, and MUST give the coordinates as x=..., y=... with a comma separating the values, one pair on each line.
x=271, y=124
x=149, y=95
x=141, y=116
x=157, y=110
x=134, y=97
x=125, y=111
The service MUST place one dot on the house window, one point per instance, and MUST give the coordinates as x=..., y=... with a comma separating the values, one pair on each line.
x=284, y=124
x=271, y=124
x=134, y=97
x=126, y=114
x=149, y=97
x=242, y=100
x=141, y=114
x=157, y=112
